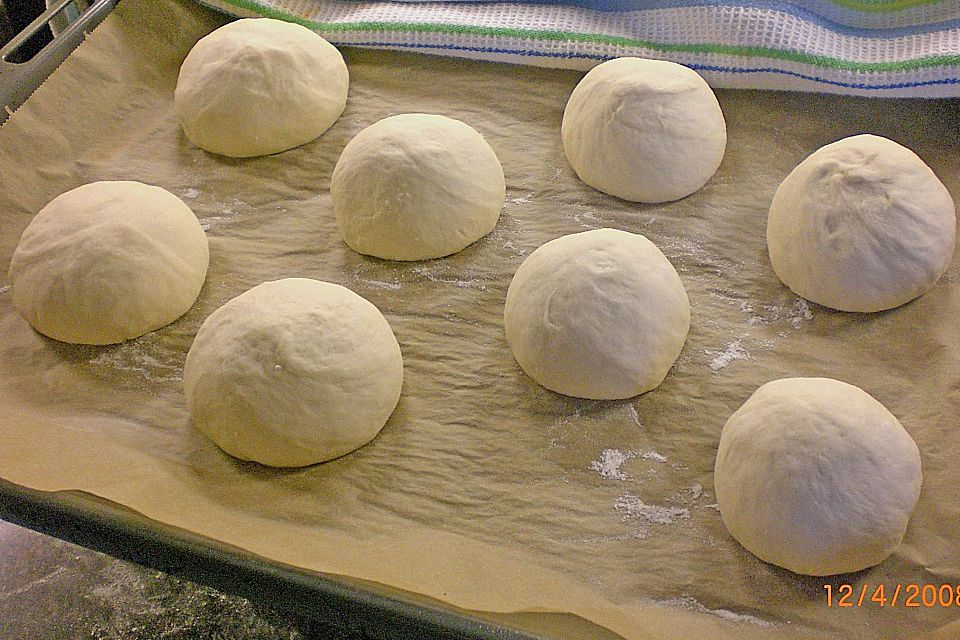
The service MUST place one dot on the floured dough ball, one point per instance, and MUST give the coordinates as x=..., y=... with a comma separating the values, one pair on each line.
x=416, y=186
x=293, y=372
x=861, y=225
x=258, y=86
x=816, y=476
x=644, y=130
x=107, y=262
x=600, y=314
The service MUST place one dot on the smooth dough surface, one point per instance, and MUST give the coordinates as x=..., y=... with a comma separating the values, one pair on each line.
x=293, y=372
x=600, y=314
x=416, y=186
x=644, y=130
x=816, y=476
x=861, y=224
x=258, y=86
x=107, y=262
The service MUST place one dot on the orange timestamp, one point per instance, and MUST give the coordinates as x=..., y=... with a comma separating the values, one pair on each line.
x=908, y=595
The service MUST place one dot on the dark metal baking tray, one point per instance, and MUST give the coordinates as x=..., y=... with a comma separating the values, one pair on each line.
x=368, y=610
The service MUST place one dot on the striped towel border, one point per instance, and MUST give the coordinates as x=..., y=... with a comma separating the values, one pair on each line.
x=834, y=46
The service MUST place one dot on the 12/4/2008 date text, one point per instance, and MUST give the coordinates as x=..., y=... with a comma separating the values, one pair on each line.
x=895, y=595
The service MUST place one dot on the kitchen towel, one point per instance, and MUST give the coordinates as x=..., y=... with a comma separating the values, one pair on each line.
x=862, y=47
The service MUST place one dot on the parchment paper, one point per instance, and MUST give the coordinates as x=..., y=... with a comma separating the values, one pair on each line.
x=484, y=490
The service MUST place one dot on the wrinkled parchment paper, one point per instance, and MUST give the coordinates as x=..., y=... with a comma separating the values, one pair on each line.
x=484, y=490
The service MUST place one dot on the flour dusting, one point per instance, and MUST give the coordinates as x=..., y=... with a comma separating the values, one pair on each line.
x=798, y=313
x=472, y=283
x=632, y=506
x=190, y=194
x=690, y=603
x=652, y=456
x=611, y=460
x=5, y=289
x=142, y=358
x=795, y=314
x=609, y=463
x=374, y=284
x=634, y=415
x=722, y=359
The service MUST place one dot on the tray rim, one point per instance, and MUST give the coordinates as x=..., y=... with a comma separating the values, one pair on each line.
x=107, y=527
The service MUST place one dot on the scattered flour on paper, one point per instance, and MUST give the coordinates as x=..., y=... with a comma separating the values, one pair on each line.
x=584, y=216
x=632, y=507
x=374, y=284
x=514, y=248
x=190, y=194
x=795, y=314
x=722, y=359
x=227, y=211
x=608, y=466
x=634, y=415
x=142, y=357
x=690, y=603
x=610, y=460
x=473, y=283
x=4, y=289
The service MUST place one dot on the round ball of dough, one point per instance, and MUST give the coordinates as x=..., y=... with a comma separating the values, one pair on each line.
x=861, y=225
x=644, y=130
x=600, y=314
x=416, y=186
x=107, y=262
x=293, y=372
x=816, y=476
x=258, y=86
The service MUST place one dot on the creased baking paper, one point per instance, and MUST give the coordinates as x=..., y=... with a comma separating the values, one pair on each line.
x=484, y=490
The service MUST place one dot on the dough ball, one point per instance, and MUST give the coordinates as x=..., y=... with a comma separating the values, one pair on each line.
x=293, y=372
x=415, y=187
x=861, y=225
x=816, y=476
x=644, y=130
x=258, y=86
x=600, y=314
x=107, y=262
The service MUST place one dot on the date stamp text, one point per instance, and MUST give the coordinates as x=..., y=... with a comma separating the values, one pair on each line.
x=908, y=595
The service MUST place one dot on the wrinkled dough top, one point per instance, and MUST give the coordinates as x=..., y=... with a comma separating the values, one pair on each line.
x=861, y=225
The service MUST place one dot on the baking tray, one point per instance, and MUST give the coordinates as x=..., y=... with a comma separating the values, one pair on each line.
x=368, y=611
x=539, y=475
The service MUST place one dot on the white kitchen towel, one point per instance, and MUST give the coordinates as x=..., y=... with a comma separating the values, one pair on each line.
x=881, y=48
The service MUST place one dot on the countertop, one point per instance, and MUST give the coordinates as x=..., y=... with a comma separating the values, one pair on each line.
x=56, y=590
